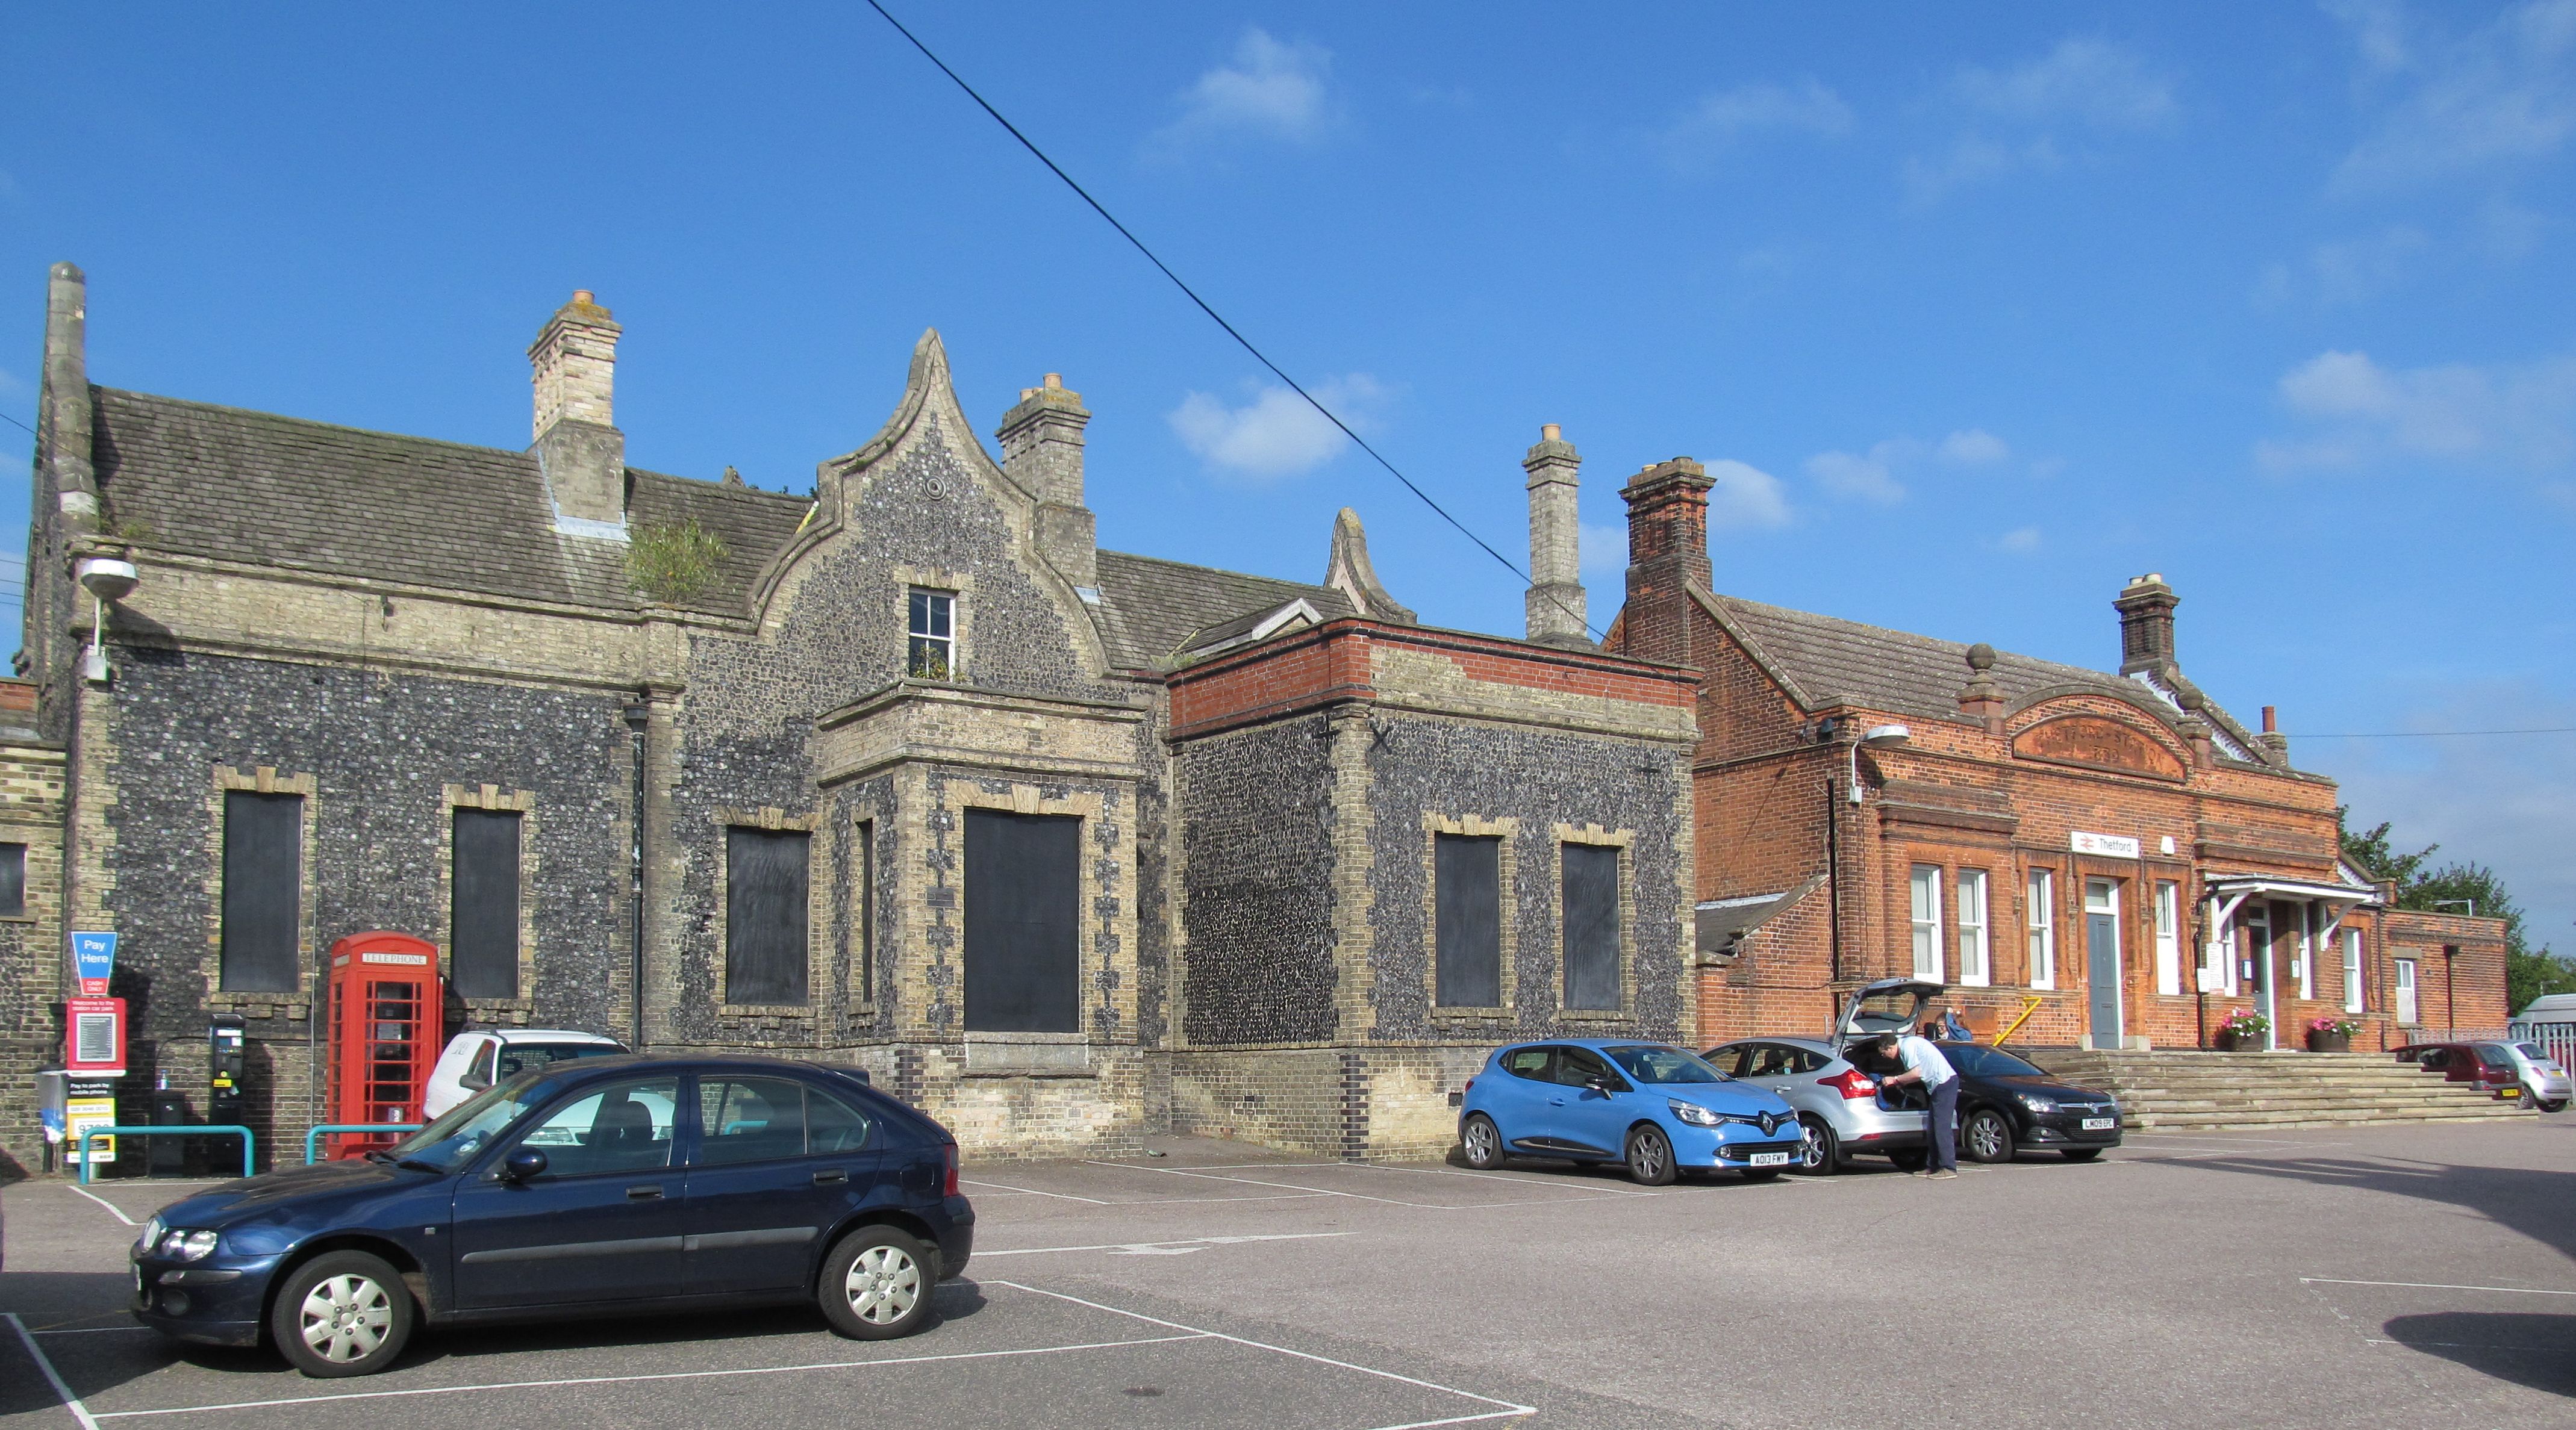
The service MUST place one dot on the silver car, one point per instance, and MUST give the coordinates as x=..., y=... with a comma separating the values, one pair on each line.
x=1842, y=1110
x=2544, y=1079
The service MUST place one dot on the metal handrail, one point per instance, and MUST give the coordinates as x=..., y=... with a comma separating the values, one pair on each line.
x=218, y=1130
x=2029, y=1006
x=313, y=1139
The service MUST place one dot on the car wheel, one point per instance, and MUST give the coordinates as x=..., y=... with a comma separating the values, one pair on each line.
x=342, y=1313
x=1910, y=1159
x=1650, y=1157
x=1820, y=1153
x=1761, y=1174
x=876, y=1284
x=2559, y=1106
x=1989, y=1136
x=2080, y=1154
x=1484, y=1144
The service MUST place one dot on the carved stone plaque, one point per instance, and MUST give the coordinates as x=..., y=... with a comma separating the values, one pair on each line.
x=2096, y=742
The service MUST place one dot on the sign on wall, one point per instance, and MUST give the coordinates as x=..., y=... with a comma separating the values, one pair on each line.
x=94, y=958
x=2109, y=846
x=90, y=1104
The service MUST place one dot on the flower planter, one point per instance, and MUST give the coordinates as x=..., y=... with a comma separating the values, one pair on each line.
x=2230, y=1041
x=2329, y=1042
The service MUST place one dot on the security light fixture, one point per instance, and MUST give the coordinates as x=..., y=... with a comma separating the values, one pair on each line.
x=106, y=579
x=1877, y=737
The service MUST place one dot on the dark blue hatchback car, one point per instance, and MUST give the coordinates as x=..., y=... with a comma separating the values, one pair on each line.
x=604, y=1185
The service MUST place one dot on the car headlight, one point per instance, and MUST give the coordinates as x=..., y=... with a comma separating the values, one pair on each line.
x=150, y=1238
x=188, y=1245
x=1693, y=1113
x=2036, y=1104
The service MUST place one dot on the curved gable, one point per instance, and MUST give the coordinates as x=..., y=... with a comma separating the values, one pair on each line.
x=2091, y=740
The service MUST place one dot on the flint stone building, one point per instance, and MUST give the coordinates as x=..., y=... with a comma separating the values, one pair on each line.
x=1064, y=845
x=2094, y=858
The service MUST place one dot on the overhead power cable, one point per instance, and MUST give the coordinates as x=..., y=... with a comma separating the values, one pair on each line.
x=2441, y=734
x=1213, y=315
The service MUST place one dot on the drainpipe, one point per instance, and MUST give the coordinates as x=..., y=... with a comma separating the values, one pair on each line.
x=637, y=717
x=1834, y=879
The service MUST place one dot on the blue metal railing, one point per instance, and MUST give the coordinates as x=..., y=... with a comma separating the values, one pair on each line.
x=313, y=1139
x=218, y=1130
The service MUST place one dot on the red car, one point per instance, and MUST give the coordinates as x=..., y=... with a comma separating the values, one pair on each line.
x=2482, y=1063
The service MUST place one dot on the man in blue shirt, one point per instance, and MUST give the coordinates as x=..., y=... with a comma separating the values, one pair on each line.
x=1924, y=1064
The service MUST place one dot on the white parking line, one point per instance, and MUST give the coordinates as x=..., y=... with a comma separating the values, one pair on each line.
x=102, y=1201
x=2433, y=1286
x=1508, y=1409
x=88, y=1420
x=1533, y=1179
x=1585, y=1195
x=1033, y=1192
x=1132, y=1201
x=1177, y=1246
x=53, y=1377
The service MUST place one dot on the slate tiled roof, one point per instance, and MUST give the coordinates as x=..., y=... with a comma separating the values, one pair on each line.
x=233, y=485
x=1150, y=607
x=1828, y=660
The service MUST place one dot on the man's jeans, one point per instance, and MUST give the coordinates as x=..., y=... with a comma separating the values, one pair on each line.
x=1945, y=1127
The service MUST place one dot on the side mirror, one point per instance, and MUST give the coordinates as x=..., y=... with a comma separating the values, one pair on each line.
x=1600, y=1085
x=523, y=1165
x=474, y=1082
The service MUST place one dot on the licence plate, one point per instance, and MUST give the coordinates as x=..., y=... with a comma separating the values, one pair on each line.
x=1768, y=1159
x=2100, y=1124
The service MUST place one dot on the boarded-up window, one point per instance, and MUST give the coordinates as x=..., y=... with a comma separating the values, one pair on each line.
x=1468, y=877
x=483, y=905
x=866, y=952
x=13, y=879
x=1591, y=926
x=1023, y=891
x=263, y=891
x=765, y=915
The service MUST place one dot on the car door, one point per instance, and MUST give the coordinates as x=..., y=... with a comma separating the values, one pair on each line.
x=775, y=1163
x=1588, y=1119
x=1518, y=1099
x=600, y=1223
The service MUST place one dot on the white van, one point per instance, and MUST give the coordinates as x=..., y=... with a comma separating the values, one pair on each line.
x=479, y=1057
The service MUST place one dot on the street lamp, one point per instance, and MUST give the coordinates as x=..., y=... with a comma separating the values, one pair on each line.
x=1877, y=737
x=106, y=579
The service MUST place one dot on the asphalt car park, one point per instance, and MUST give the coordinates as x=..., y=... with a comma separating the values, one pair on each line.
x=2377, y=1276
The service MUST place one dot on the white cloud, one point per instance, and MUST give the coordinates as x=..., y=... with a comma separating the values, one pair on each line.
x=1270, y=90
x=2348, y=271
x=2366, y=415
x=2019, y=541
x=1745, y=497
x=1275, y=434
x=1972, y=447
x=2091, y=82
x=9, y=381
x=1719, y=120
x=2502, y=94
x=2378, y=32
x=1872, y=475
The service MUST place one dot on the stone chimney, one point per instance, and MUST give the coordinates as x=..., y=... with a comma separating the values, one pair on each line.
x=573, y=365
x=2146, y=607
x=1557, y=614
x=1667, y=556
x=1042, y=451
x=1981, y=699
x=63, y=408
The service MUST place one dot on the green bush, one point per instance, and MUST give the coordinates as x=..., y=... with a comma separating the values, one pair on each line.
x=673, y=562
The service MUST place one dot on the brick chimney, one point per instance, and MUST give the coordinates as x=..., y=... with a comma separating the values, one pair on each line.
x=1667, y=555
x=1557, y=612
x=573, y=365
x=2146, y=607
x=1042, y=451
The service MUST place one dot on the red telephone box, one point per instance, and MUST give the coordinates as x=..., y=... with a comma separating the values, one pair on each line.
x=387, y=1012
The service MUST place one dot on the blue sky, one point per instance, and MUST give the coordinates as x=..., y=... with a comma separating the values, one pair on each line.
x=1976, y=311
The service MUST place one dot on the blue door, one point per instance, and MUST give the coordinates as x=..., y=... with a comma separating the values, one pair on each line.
x=2102, y=961
x=1517, y=1098
x=1589, y=1120
x=601, y=1223
x=778, y=1163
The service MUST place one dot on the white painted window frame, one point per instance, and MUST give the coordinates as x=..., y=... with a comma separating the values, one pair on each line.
x=2355, y=988
x=1976, y=929
x=2168, y=937
x=1923, y=893
x=2040, y=914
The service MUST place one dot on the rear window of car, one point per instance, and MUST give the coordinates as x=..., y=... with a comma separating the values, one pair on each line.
x=1527, y=1062
x=2531, y=1051
x=517, y=1058
x=2493, y=1053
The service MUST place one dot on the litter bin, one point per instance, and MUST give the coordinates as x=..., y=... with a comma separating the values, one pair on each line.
x=167, y=1156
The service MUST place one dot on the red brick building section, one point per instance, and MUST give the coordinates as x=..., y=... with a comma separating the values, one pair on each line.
x=2087, y=857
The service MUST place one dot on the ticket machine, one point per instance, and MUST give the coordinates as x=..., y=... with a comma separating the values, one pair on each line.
x=386, y=1024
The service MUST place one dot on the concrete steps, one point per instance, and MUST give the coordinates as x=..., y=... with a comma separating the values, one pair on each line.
x=2170, y=1091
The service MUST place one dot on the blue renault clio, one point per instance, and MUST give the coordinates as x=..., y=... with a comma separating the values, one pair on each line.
x=1656, y=1107
x=603, y=1185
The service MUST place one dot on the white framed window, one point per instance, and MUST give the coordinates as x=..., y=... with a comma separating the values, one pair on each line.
x=1975, y=950
x=2352, y=986
x=2404, y=1000
x=2306, y=968
x=2168, y=936
x=1925, y=890
x=932, y=630
x=2040, y=912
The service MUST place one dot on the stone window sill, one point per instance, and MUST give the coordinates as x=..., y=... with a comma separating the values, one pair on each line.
x=1037, y=1074
x=764, y=1010
x=1596, y=1015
